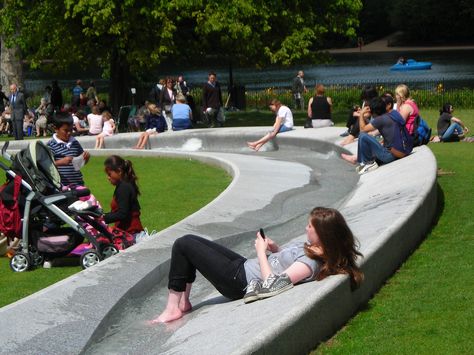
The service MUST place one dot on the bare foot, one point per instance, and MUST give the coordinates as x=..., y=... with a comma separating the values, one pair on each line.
x=185, y=306
x=349, y=158
x=251, y=145
x=258, y=146
x=168, y=316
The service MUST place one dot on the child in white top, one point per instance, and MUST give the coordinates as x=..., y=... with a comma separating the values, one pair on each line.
x=107, y=130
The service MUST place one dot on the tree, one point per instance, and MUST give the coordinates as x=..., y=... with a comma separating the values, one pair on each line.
x=127, y=37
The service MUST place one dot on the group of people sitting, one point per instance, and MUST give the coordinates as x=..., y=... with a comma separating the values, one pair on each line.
x=157, y=120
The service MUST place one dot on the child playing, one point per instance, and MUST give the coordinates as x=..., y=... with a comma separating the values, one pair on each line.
x=107, y=130
x=64, y=148
x=125, y=206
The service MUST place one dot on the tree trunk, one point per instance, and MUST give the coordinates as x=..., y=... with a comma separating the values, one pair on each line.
x=10, y=67
x=120, y=79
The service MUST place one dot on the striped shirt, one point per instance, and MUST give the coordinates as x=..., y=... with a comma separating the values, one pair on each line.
x=61, y=149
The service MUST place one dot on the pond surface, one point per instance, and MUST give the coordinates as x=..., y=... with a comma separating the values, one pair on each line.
x=452, y=68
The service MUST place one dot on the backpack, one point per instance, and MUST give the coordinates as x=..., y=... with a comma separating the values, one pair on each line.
x=403, y=140
x=421, y=132
x=10, y=216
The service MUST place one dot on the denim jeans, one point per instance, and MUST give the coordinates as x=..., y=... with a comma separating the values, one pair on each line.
x=221, y=266
x=369, y=149
x=453, y=129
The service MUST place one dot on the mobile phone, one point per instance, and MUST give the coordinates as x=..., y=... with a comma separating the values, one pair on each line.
x=262, y=233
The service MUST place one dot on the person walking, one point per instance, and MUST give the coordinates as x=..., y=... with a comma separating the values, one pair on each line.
x=298, y=89
x=212, y=101
x=18, y=107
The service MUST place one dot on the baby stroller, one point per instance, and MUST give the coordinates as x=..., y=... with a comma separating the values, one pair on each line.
x=47, y=229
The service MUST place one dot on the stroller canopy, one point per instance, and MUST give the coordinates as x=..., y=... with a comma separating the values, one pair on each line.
x=36, y=164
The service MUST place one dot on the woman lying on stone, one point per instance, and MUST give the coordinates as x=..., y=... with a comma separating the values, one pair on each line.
x=330, y=249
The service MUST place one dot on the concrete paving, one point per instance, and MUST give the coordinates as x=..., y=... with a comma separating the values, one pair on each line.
x=103, y=310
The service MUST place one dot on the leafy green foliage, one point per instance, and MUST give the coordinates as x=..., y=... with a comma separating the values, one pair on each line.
x=145, y=32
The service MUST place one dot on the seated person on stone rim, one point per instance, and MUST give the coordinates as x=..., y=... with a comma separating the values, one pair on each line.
x=329, y=248
x=283, y=123
x=397, y=143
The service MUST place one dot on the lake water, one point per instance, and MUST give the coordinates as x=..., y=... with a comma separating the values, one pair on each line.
x=452, y=68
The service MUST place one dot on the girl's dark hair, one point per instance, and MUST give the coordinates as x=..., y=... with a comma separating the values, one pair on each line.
x=446, y=108
x=125, y=167
x=338, y=245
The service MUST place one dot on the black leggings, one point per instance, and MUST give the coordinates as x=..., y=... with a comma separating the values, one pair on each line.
x=221, y=266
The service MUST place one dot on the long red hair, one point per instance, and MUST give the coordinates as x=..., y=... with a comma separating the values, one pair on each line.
x=338, y=245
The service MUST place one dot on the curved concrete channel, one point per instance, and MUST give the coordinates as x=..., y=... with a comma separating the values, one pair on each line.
x=103, y=310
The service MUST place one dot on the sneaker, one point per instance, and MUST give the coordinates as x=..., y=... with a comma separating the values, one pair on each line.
x=345, y=134
x=365, y=168
x=253, y=288
x=274, y=285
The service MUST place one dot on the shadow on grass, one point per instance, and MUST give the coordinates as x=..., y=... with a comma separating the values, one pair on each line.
x=368, y=306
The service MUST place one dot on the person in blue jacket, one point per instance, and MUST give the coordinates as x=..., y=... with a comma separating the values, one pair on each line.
x=155, y=123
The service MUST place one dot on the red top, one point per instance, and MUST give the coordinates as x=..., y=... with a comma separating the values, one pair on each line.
x=410, y=122
x=131, y=225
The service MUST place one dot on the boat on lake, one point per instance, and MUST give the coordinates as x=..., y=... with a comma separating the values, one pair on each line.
x=411, y=64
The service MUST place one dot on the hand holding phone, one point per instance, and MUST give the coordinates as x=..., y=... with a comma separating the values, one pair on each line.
x=262, y=233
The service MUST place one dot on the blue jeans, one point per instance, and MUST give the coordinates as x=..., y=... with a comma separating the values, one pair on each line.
x=453, y=129
x=283, y=128
x=369, y=149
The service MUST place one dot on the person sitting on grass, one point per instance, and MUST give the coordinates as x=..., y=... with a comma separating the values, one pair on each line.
x=64, y=148
x=450, y=128
x=108, y=129
x=397, y=143
x=155, y=123
x=329, y=248
x=283, y=123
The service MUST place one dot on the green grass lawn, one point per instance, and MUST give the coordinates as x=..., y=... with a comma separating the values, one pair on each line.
x=171, y=189
x=425, y=308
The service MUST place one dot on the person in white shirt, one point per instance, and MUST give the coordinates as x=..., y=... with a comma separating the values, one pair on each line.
x=283, y=123
x=95, y=121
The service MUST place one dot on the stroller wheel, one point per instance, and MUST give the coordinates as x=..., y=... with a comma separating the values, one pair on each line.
x=89, y=258
x=36, y=258
x=108, y=250
x=20, y=262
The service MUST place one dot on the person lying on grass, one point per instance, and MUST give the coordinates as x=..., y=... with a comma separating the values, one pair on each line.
x=328, y=249
x=283, y=123
x=397, y=143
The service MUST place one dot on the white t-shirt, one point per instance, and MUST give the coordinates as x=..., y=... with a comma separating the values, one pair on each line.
x=95, y=123
x=287, y=117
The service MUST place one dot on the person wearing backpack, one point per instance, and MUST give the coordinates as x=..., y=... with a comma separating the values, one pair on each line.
x=397, y=143
x=450, y=128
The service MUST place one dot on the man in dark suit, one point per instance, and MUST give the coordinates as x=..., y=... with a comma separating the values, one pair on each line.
x=18, y=107
x=212, y=101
